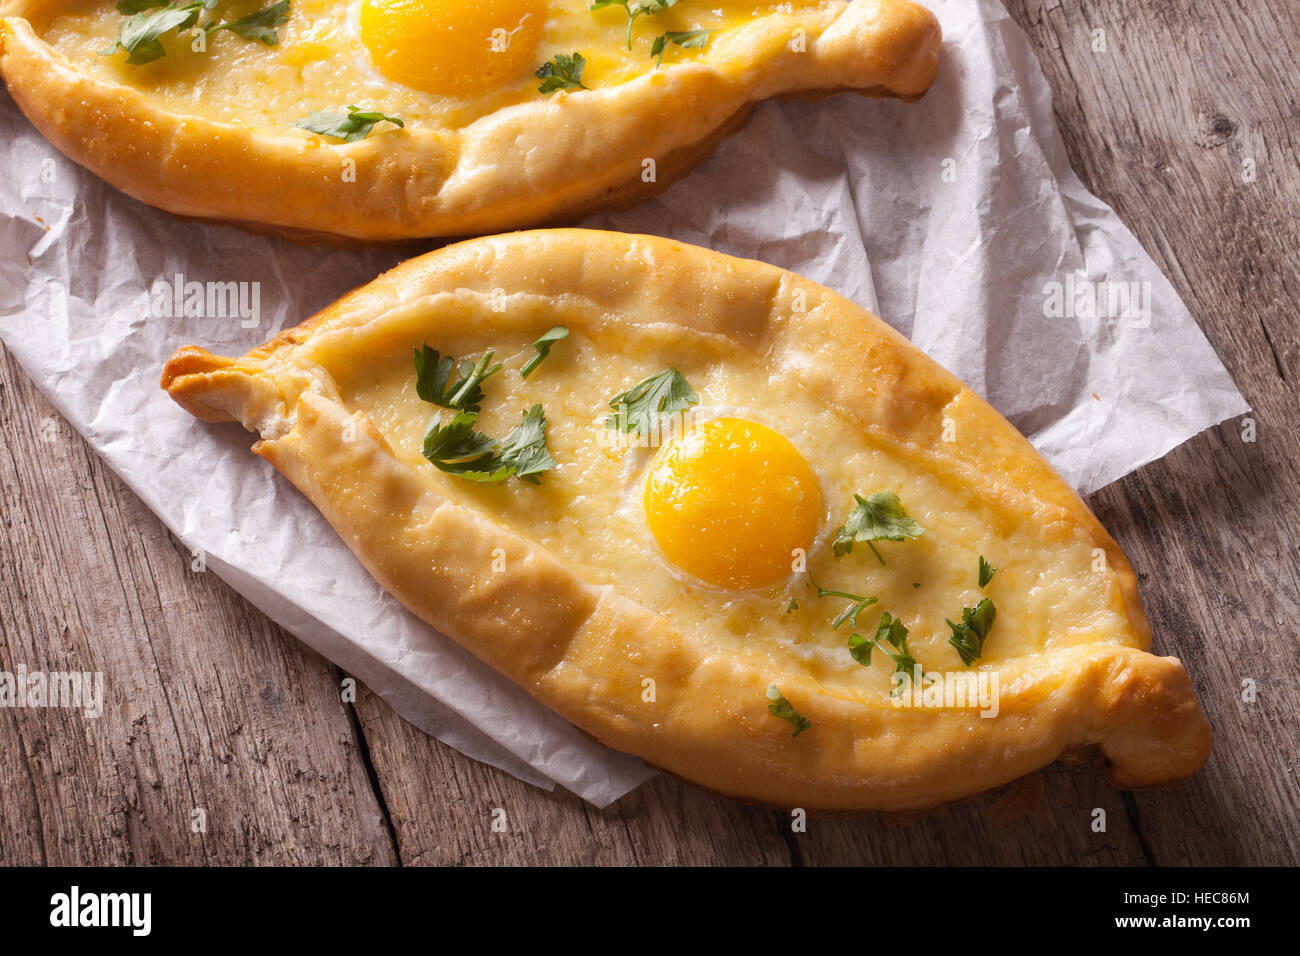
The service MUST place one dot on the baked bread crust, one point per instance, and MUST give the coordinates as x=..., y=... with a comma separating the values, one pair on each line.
x=583, y=649
x=537, y=162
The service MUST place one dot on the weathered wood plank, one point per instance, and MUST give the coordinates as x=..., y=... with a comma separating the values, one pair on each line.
x=443, y=808
x=206, y=703
x=1188, y=128
x=1004, y=828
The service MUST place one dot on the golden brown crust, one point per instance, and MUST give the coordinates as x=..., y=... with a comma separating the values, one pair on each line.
x=541, y=161
x=584, y=650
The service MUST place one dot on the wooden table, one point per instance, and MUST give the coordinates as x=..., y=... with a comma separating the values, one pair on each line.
x=220, y=710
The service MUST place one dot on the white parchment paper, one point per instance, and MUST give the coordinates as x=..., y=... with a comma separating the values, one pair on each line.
x=957, y=219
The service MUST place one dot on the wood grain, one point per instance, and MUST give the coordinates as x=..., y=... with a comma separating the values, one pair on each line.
x=213, y=706
x=1161, y=127
x=207, y=705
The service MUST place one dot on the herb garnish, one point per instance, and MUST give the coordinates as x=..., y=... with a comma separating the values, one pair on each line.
x=851, y=612
x=780, y=707
x=634, y=9
x=879, y=517
x=129, y=7
x=351, y=126
x=138, y=34
x=433, y=374
x=968, y=637
x=666, y=393
x=561, y=72
x=258, y=26
x=147, y=20
x=543, y=346
x=891, y=638
x=459, y=450
x=687, y=39
x=986, y=572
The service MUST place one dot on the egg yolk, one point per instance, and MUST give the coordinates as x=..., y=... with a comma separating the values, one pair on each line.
x=729, y=501
x=452, y=47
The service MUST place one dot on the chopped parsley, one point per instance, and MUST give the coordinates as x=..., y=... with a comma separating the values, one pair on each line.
x=543, y=347
x=664, y=394
x=351, y=126
x=457, y=449
x=258, y=26
x=146, y=22
x=140, y=34
x=879, y=517
x=891, y=638
x=524, y=449
x=780, y=707
x=687, y=39
x=986, y=572
x=129, y=7
x=634, y=9
x=850, y=612
x=434, y=384
x=561, y=72
x=968, y=637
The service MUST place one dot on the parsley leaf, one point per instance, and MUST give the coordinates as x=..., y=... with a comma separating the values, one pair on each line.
x=634, y=9
x=851, y=612
x=986, y=572
x=457, y=449
x=860, y=649
x=147, y=20
x=139, y=34
x=130, y=7
x=878, y=518
x=891, y=638
x=351, y=126
x=664, y=394
x=258, y=26
x=543, y=346
x=780, y=707
x=968, y=637
x=561, y=72
x=433, y=379
x=792, y=606
x=524, y=449
x=687, y=39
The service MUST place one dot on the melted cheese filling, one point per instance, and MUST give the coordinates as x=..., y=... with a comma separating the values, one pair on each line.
x=589, y=511
x=424, y=74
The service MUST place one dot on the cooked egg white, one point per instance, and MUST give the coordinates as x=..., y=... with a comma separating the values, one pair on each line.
x=427, y=61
